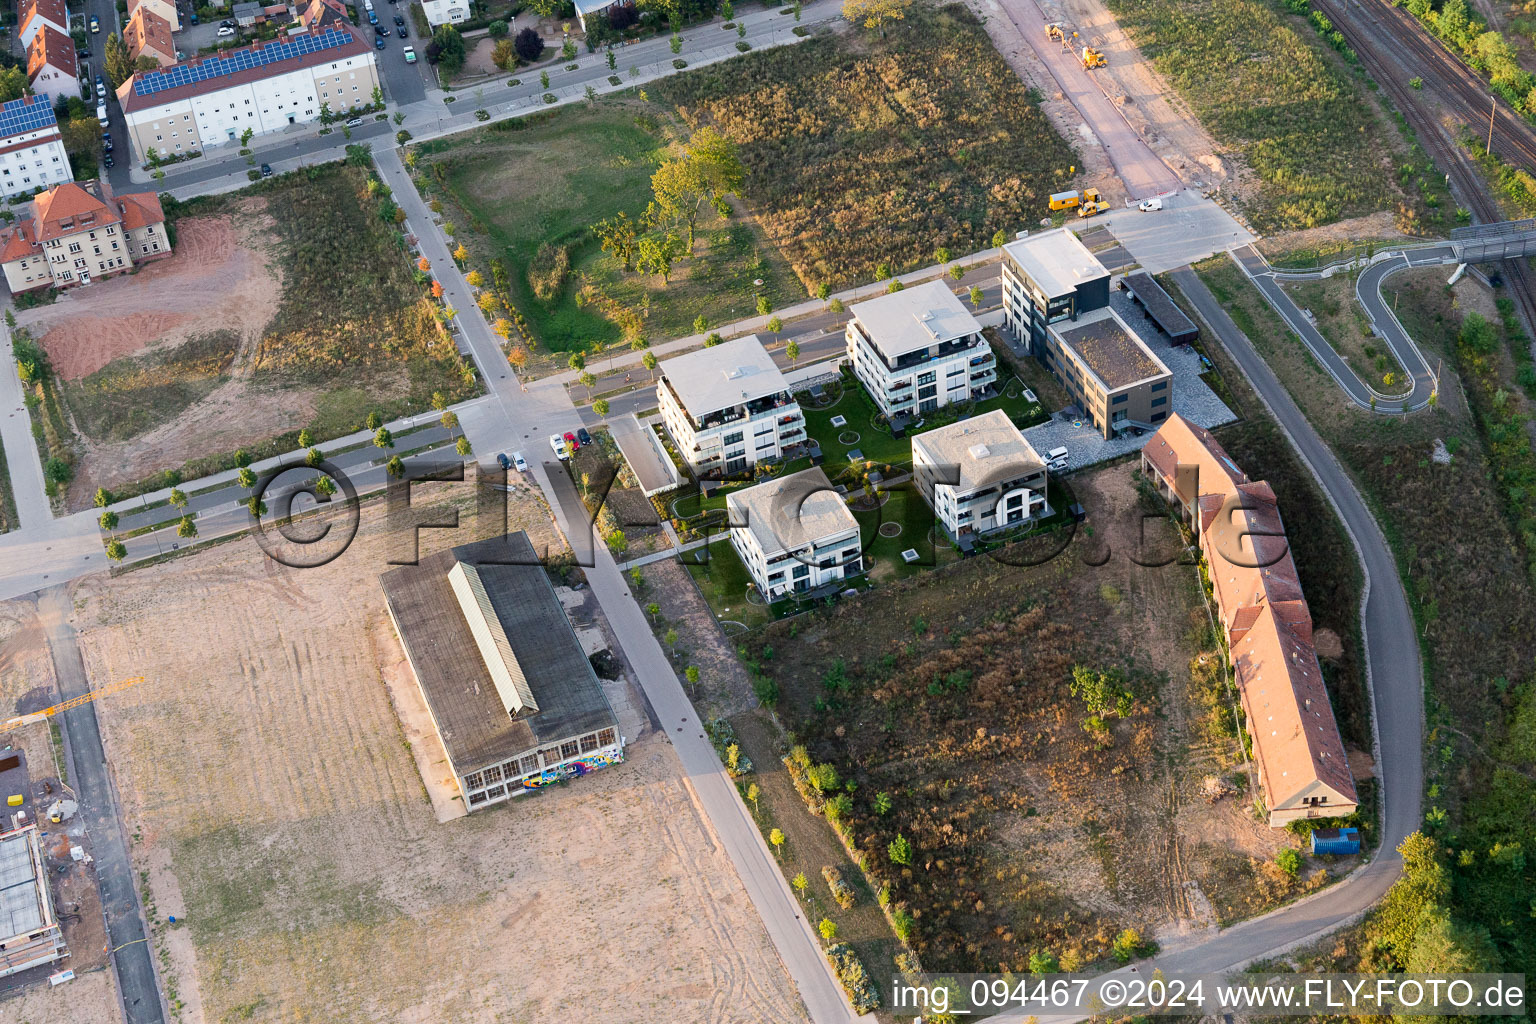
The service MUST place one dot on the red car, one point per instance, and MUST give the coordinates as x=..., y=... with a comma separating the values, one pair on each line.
x=571, y=442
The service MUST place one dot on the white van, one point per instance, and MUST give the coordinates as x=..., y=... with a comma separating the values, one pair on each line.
x=1056, y=459
x=1151, y=205
x=101, y=114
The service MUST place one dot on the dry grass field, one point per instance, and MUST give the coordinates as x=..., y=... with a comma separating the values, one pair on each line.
x=278, y=814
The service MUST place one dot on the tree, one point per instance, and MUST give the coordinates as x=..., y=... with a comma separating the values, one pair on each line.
x=587, y=381
x=577, y=361
x=462, y=446
x=653, y=609
x=116, y=551
x=792, y=350
x=314, y=457
x=828, y=929
x=835, y=306
x=763, y=305
x=518, y=357
x=752, y=794
x=775, y=324
x=1127, y=944
x=178, y=497
x=823, y=290
x=461, y=254
x=899, y=850
x=394, y=467
x=956, y=271
x=941, y=254
x=324, y=486
x=487, y=301
x=246, y=477
x=1289, y=861
x=999, y=239
x=103, y=496
x=600, y=407
x=186, y=528
x=109, y=520
x=713, y=340
x=449, y=420
x=894, y=286
x=700, y=325
x=691, y=673
x=450, y=49
x=504, y=54
x=118, y=63
x=670, y=639
x=657, y=254
x=882, y=803
x=382, y=438
x=976, y=296
x=677, y=43
x=1042, y=962
x=503, y=328
x=613, y=62
x=777, y=839
x=246, y=136
x=649, y=362
x=13, y=82
x=306, y=439
x=257, y=507
x=1101, y=691
x=374, y=421
x=544, y=78
x=529, y=44
x=619, y=238
x=497, y=29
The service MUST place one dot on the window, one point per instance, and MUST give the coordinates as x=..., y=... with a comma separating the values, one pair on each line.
x=493, y=773
x=1159, y=401
x=1161, y=385
x=474, y=781
x=496, y=792
x=1158, y=417
x=1118, y=400
x=589, y=743
x=477, y=798
x=529, y=764
x=735, y=438
x=569, y=749
x=606, y=738
x=551, y=756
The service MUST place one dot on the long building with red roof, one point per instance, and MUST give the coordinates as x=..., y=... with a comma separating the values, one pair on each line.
x=81, y=232
x=1297, y=750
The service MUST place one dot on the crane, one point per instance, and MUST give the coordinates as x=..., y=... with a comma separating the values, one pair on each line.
x=73, y=702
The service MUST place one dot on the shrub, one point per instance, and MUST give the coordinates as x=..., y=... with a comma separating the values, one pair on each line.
x=547, y=270
x=900, y=850
x=1289, y=861
x=842, y=892
x=854, y=978
x=529, y=44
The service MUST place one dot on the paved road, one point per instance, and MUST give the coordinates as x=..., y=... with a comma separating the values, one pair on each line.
x=22, y=462
x=131, y=959
x=1408, y=355
x=1142, y=170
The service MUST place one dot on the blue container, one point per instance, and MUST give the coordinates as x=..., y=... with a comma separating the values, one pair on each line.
x=1342, y=841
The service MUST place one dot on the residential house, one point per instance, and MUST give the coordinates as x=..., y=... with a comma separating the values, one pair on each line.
x=728, y=407
x=794, y=534
x=1117, y=382
x=33, y=15
x=32, y=153
x=248, y=14
x=445, y=12
x=979, y=475
x=166, y=9
x=1298, y=753
x=321, y=13
x=511, y=693
x=149, y=35
x=594, y=8
x=266, y=86
x=1049, y=278
x=918, y=349
x=79, y=232
x=51, y=65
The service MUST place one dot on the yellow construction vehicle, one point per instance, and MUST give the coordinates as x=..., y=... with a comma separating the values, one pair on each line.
x=86, y=698
x=1091, y=208
x=1055, y=32
x=1093, y=59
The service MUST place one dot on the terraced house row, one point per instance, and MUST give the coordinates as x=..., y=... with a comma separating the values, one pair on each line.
x=1297, y=750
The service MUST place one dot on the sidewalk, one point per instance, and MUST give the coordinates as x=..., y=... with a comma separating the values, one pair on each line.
x=21, y=456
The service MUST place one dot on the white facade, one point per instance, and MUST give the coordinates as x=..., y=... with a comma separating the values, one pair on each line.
x=33, y=160
x=35, y=24
x=445, y=12
x=980, y=475
x=728, y=407
x=918, y=349
x=794, y=534
x=56, y=84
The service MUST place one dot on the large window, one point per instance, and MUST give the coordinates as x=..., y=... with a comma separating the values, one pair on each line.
x=605, y=738
x=569, y=749
x=589, y=743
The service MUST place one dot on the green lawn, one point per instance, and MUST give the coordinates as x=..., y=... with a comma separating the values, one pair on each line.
x=8, y=519
x=541, y=182
x=882, y=555
x=875, y=442
x=1020, y=410
x=723, y=580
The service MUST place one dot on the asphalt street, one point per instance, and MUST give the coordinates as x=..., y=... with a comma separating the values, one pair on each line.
x=131, y=959
x=1407, y=353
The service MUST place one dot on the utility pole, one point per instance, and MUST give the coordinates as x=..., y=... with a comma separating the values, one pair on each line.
x=1493, y=108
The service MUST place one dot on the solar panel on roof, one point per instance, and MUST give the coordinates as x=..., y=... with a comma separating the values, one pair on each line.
x=217, y=66
x=26, y=114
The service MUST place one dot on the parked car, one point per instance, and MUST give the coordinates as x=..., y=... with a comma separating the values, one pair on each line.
x=106, y=143
x=582, y=436
x=410, y=54
x=1150, y=205
x=193, y=16
x=101, y=114
x=517, y=457
x=355, y=122
x=558, y=444
x=266, y=170
x=399, y=19
x=227, y=24
x=101, y=91
x=83, y=52
x=378, y=43
x=402, y=31
x=95, y=25
x=373, y=17
x=225, y=30
x=503, y=461
x=380, y=30
x=106, y=160
x=571, y=442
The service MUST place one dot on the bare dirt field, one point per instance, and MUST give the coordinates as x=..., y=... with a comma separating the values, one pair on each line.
x=273, y=802
x=90, y=999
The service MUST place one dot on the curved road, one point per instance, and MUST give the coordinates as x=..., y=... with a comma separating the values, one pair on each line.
x=1368, y=289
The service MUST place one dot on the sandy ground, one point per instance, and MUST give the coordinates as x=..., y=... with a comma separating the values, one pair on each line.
x=1156, y=110
x=1380, y=225
x=281, y=817
x=89, y=999
x=724, y=687
x=218, y=279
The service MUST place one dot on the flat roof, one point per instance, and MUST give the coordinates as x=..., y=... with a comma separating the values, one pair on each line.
x=984, y=450
x=914, y=318
x=792, y=512
x=465, y=704
x=22, y=892
x=1110, y=349
x=1057, y=261
x=731, y=373
x=1160, y=305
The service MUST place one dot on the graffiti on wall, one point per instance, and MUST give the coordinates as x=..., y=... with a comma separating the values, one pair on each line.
x=574, y=769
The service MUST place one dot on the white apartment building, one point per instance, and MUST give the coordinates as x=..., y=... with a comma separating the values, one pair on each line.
x=267, y=86
x=445, y=12
x=918, y=349
x=32, y=153
x=979, y=475
x=728, y=407
x=794, y=534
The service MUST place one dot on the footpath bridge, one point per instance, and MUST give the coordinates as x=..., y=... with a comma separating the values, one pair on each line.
x=1504, y=240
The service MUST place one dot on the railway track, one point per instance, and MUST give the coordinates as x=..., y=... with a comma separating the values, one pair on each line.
x=1394, y=48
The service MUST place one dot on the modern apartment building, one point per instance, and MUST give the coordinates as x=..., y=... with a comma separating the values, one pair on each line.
x=918, y=349
x=512, y=695
x=267, y=86
x=32, y=153
x=728, y=407
x=80, y=232
x=1297, y=751
x=1116, y=381
x=1049, y=278
x=794, y=534
x=979, y=475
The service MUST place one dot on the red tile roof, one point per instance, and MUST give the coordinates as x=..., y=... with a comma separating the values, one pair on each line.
x=53, y=48
x=51, y=11
x=147, y=34
x=140, y=210
x=71, y=207
x=19, y=242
